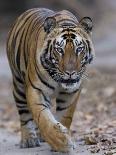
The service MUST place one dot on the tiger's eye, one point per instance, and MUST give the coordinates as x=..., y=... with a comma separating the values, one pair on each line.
x=79, y=49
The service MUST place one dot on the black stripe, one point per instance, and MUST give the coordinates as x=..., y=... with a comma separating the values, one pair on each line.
x=23, y=111
x=22, y=94
x=60, y=109
x=25, y=58
x=43, y=105
x=68, y=30
x=65, y=36
x=19, y=46
x=68, y=93
x=19, y=100
x=60, y=101
x=18, y=58
x=63, y=108
x=26, y=121
x=89, y=48
x=18, y=79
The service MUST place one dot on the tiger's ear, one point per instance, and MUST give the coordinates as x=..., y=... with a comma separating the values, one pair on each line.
x=49, y=24
x=86, y=23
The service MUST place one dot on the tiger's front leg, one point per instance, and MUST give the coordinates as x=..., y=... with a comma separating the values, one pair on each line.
x=67, y=118
x=53, y=132
x=65, y=106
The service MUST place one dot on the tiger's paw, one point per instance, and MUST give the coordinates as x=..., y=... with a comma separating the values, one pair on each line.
x=59, y=138
x=29, y=136
x=30, y=143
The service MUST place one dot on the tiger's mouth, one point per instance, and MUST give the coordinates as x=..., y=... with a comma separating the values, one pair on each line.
x=71, y=86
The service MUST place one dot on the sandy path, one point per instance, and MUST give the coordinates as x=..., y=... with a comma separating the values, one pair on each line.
x=9, y=145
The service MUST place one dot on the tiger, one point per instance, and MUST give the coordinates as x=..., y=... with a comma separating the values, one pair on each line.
x=48, y=53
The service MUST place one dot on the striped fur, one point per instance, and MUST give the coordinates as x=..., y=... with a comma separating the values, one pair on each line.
x=48, y=53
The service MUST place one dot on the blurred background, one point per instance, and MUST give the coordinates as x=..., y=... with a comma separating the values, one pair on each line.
x=97, y=105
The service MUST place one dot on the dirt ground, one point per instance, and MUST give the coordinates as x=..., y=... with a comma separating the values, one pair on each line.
x=94, y=124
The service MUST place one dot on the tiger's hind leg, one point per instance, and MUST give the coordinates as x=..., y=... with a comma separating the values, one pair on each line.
x=29, y=130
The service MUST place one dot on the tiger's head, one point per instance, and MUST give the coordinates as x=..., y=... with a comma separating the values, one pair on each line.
x=67, y=50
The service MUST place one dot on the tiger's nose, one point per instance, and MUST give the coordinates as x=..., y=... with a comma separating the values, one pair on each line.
x=71, y=74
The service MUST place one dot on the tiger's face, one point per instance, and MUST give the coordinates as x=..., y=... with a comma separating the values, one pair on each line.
x=66, y=56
